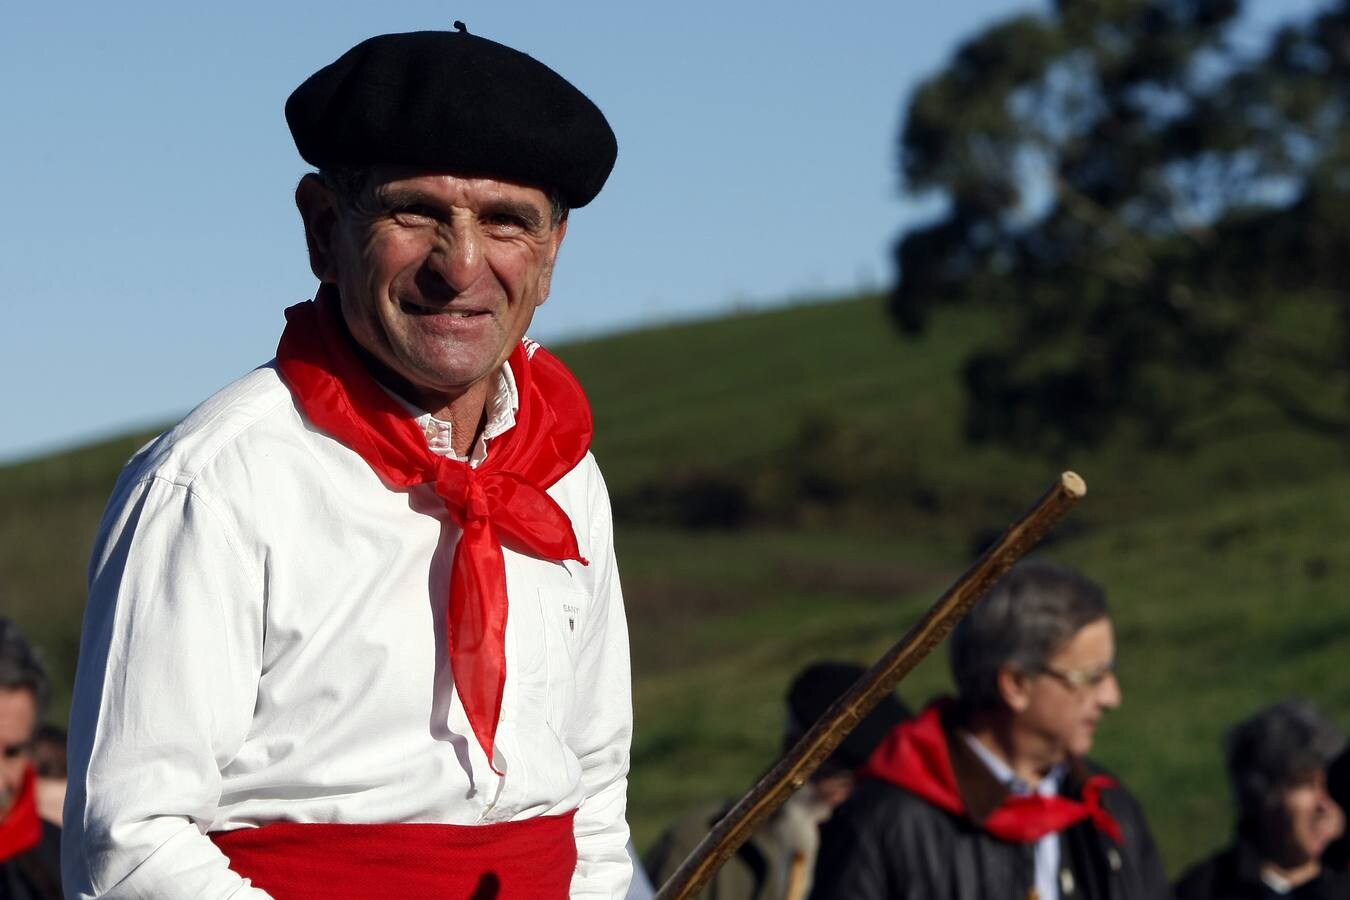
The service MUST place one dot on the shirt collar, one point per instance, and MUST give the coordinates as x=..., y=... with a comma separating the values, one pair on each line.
x=1048, y=787
x=1276, y=882
x=502, y=405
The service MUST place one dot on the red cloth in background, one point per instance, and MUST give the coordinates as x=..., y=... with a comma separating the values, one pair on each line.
x=21, y=829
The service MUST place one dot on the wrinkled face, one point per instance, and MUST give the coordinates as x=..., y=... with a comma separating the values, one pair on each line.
x=18, y=722
x=439, y=275
x=1060, y=706
x=1304, y=822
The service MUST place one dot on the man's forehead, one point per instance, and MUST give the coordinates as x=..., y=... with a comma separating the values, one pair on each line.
x=388, y=179
x=1092, y=640
x=18, y=713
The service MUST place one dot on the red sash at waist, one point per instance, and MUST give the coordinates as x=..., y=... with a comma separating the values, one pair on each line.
x=528, y=860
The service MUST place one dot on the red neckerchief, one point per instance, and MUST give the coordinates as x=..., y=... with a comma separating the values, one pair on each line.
x=502, y=502
x=21, y=829
x=915, y=756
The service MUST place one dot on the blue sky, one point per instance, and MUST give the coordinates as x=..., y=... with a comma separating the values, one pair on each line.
x=148, y=241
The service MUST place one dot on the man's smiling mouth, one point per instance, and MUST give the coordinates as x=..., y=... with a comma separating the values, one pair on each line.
x=415, y=309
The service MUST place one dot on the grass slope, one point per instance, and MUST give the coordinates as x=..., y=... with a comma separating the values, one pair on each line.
x=1227, y=567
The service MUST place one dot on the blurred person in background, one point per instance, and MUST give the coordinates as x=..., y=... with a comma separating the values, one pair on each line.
x=30, y=863
x=1286, y=818
x=777, y=861
x=991, y=796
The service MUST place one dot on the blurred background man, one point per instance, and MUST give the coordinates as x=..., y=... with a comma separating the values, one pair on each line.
x=991, y=796
x=30, y=865
x=776, y=863
x=1286, y=818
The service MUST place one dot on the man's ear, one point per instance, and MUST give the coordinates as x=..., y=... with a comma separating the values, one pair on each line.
x=546, y=278
x=319, y=212
x=1014, y=686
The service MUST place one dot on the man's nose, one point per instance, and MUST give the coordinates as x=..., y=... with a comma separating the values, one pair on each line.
x=1108, y=692
x=457, y=257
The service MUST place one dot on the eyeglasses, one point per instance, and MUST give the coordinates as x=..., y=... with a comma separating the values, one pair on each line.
x=1077, y=679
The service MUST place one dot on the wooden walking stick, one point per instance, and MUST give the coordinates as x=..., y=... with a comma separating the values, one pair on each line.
x=792, y=770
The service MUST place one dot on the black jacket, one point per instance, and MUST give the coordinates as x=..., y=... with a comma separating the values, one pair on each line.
x=35, y=875
x=885, y=843
x=1235, y=874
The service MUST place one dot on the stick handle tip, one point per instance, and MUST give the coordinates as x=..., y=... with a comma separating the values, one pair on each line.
x=1073, y=483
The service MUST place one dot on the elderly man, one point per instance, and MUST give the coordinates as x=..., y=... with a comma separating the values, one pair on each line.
x=991, y=796
x=30, y=867
x=355, y=626
x=1277, y=764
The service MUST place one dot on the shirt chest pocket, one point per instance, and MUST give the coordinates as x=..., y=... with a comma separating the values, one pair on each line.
x=562, y=612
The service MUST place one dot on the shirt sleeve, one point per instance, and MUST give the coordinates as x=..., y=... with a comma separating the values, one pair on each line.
x=602, y=723
x=167, y=680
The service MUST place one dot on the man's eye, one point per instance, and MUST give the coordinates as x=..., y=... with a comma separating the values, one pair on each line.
x=14, y=751
x=505, y=220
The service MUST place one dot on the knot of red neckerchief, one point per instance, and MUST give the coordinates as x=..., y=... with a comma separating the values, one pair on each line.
x=475, y=499
x=1101, y=816
x=1025, y=818
x=502, y=502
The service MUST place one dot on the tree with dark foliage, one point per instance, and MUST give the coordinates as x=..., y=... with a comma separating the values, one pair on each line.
x=1157, y=213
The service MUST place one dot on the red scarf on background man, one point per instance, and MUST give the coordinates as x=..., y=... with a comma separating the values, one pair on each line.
x=21, y=829
x=501, y=502
x=915, y=756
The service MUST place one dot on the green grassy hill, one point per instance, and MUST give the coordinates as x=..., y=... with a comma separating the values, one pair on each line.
x=821, y=460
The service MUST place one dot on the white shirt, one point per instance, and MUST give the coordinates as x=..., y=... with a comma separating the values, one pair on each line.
x=265, y=641
x=1047, y=848
x=1276, y=882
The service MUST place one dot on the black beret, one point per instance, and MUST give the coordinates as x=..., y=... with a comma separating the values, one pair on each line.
x=457, y=102
x=816, y=688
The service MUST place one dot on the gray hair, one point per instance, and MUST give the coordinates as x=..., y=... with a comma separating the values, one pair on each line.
x=20, y=666
x=1024, y=620
x=350, y=184
x=1278, y=747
